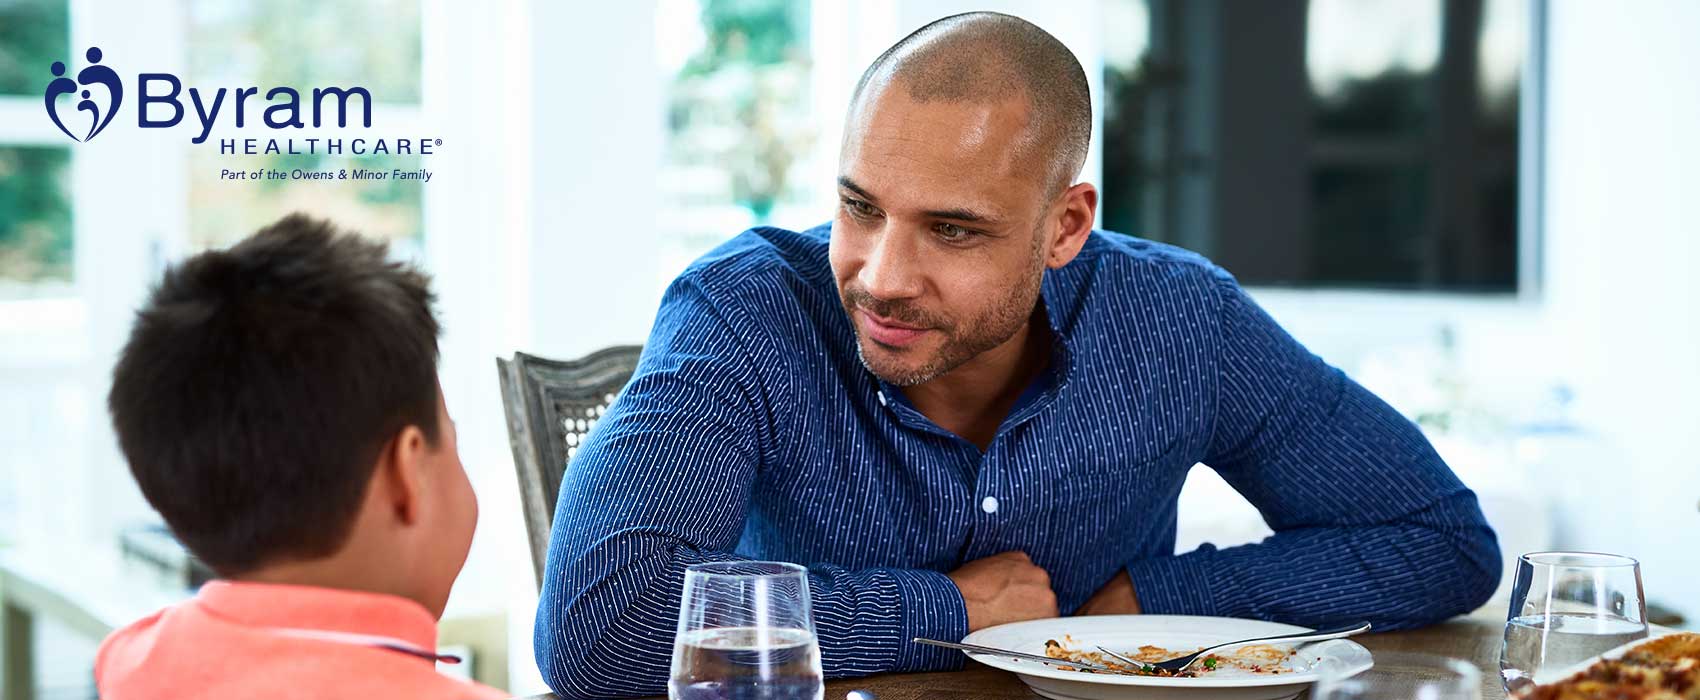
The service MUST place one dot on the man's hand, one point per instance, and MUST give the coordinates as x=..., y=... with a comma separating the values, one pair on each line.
x=1003, y=588
x=1116, y=598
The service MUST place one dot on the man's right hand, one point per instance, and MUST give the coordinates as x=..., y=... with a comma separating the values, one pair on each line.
x=1003, y=588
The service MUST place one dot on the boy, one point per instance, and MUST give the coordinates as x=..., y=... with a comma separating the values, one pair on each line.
x=278, y=405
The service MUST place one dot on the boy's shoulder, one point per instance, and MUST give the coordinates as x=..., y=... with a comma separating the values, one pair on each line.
x=128, y=646
x=184, y=651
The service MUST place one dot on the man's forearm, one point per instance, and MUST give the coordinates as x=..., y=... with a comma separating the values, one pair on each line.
x=1431, y=565
x=1118, y=597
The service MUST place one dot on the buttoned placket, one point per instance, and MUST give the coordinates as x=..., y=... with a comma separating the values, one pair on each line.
x=988, y=505
x=989, y=494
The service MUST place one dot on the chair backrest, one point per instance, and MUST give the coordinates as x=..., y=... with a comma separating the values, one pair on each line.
x=551, y=406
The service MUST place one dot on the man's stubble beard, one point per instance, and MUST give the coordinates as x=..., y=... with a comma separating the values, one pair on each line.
x=994, y=327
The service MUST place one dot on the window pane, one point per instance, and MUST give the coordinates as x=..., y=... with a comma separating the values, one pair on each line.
x=1369, y=222
x=303, y=45
x=35, y=221
x=300, y=43
x=1415, y=143
x=1352, y=42
x=1348, y=143
x=1127, y=81
x=737, y=117
x=33, y=34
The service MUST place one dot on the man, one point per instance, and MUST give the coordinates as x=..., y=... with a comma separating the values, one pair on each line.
x=960, y=406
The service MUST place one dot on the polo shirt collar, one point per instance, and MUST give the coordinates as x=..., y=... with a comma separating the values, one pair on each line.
x=283, y=606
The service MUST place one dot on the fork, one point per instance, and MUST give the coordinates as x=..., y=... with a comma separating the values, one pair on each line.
x=1178, y=664
x=1023, y=656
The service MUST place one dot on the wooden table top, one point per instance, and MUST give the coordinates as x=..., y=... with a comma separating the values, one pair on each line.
x=1474, y=638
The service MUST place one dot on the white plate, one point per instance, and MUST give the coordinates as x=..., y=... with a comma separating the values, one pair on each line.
x=1178, y=632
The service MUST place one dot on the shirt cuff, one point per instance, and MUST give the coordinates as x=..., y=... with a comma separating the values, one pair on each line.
x=1174, y=585
x=932, y=607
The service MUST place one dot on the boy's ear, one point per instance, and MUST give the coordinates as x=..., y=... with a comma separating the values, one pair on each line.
x=403, y=469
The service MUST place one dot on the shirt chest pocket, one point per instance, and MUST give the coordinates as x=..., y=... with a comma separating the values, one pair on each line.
x=1110, y=486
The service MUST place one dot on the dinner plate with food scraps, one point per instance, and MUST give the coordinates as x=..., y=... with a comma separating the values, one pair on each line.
x=1256, y=672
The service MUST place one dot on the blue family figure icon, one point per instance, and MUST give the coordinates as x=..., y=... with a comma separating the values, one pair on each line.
x=96, y=73
x=93, y=74
x=60, y=86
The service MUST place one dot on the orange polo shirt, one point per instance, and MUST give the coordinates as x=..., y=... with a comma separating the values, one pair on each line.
x=253, y=640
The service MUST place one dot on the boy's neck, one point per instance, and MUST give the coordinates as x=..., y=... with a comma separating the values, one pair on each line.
x=336, y=571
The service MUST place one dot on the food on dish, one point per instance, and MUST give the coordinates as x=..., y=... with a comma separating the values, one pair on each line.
x=1667, y=668
x=1256, y=658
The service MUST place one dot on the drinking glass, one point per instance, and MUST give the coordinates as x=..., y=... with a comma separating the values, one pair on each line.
x=745, y=633
x=1567, y=607
x=1401, y=676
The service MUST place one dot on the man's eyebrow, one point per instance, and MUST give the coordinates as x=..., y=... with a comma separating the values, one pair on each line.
x=845, y=182
x=960, y=214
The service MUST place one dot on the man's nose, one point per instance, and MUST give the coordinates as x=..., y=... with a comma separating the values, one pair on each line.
x=892, y=269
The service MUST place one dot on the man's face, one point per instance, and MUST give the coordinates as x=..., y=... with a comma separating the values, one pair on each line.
x=938, y=245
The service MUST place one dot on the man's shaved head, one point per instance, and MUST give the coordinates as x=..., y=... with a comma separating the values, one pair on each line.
x=984, y=57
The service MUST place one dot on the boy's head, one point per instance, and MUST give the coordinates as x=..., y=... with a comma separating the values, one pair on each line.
x=278, y=404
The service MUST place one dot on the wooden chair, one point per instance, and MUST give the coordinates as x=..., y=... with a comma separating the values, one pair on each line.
x=551, y=406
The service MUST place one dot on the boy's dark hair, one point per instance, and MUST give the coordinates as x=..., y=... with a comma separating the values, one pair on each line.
x=260, y=383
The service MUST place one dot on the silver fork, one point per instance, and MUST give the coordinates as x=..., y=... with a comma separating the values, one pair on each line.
x=994, y=651
x=1178, y=664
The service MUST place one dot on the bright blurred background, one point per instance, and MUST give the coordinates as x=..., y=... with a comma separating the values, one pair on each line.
x=1485, y=210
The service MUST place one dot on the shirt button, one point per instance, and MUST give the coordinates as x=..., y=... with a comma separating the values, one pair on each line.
x=881, y=394
x=989, y=504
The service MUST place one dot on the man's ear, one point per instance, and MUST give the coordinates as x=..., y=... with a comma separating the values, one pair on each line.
x=402, y=469
x=1076, y=210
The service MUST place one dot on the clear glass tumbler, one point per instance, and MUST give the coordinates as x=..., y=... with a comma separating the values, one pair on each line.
x=745, y=633
x=1567, y=607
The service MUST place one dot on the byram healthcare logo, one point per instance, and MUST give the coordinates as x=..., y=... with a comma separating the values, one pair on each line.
x=94, y=75
x=99, y=94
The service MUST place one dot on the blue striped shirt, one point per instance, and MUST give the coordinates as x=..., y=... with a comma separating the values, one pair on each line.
x=752, y=430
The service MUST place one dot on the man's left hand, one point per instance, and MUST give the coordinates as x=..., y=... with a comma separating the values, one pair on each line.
x=1116, y=598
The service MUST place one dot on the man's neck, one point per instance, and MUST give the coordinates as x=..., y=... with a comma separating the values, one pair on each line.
x=974, y=399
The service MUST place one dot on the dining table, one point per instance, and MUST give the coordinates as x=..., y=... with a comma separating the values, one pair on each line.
x=1474, y=638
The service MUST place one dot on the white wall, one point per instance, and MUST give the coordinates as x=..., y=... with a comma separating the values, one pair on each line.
x=1623, y=214
x=596, y=143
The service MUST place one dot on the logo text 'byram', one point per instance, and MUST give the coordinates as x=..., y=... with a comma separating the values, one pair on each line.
x=102, y=93
x=282, y=115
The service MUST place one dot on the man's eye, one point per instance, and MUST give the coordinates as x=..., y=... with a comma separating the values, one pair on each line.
x=951, y=233
x=859, y=208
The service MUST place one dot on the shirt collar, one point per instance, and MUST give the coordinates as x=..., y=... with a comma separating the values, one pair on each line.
x=1051, y=294
x=274, y=605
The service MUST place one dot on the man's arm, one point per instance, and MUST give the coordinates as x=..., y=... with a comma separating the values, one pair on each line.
x=1369, y=522
x=664, y=482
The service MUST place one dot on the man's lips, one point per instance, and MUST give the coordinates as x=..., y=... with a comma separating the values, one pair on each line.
x=886, y=331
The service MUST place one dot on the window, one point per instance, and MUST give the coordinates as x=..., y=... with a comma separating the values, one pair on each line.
x=1329, y=143
x=737, y=127
x=35, y=207
x=35, y=221
x=33, y=34
x=301, y=45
